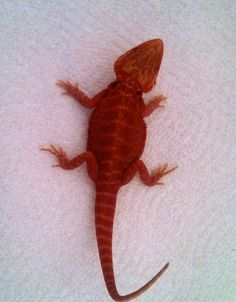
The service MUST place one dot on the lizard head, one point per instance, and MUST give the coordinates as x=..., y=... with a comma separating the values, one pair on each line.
x=140, y=65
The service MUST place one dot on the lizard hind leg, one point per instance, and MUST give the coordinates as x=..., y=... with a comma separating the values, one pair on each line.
x=65, y=163
x=147, y=178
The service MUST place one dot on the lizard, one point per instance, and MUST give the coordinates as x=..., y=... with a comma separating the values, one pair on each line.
x=116, y=140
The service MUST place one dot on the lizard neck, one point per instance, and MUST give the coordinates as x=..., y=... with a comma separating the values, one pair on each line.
x=128, y=87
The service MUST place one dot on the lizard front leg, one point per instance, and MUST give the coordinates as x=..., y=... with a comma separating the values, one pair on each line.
x=156, y=102
x=78, y=95
x=147, y=179
x=67, y=164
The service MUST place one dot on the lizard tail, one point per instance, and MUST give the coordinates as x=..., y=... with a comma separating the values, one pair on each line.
x=104, y=216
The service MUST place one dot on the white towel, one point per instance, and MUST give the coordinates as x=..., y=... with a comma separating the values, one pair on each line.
x=48, y=247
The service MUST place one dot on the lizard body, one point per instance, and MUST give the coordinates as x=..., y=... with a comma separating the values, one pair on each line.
x=116, y=140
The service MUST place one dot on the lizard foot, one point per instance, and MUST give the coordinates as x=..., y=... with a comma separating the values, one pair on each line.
x=60, y=154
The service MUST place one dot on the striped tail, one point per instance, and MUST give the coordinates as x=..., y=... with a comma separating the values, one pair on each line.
x=104, y=216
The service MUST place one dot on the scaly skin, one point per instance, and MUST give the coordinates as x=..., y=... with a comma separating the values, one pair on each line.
x=116, y=139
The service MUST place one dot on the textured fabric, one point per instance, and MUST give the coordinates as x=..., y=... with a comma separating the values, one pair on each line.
x=48, y=249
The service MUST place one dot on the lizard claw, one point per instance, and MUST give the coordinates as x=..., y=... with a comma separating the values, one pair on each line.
x=160, y=172
x=56, y=166
x=68, y=87
x=59, y=153
x=159, y=100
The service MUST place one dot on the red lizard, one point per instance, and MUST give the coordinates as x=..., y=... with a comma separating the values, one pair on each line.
x=116, y=139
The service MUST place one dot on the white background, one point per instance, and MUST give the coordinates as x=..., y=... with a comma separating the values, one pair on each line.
x=48, y=249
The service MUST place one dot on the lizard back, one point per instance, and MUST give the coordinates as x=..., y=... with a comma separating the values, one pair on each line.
x=117, y=131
